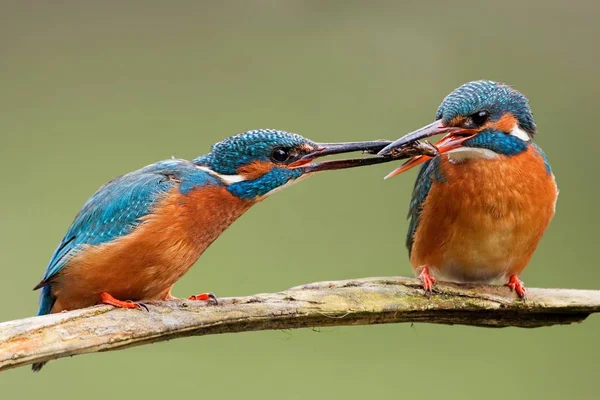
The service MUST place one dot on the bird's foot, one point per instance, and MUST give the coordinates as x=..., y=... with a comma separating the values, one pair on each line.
x=106, y=298
x=427, y=279
x=204, y=297
x=515, y=284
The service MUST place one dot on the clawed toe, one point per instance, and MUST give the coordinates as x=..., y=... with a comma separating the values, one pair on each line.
x=106, y=298
x=427, y=279
x=205, y=297
x=516, y=285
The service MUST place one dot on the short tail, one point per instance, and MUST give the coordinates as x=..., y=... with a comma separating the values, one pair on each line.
x=38, y=366
x=46, y=304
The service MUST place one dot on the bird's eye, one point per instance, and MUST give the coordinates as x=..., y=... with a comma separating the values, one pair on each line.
x=480, y=117
x=280, y=155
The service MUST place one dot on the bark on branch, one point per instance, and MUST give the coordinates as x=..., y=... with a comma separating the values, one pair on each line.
x=352, y=302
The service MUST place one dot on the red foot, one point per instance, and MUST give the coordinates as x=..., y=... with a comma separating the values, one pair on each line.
x=204, y=297
x=427, y=279
x=106, y=298
x=515, y=284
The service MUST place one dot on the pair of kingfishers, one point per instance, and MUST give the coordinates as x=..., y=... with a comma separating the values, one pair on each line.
x=483, y=198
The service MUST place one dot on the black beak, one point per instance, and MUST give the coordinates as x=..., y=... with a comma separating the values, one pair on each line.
x=327, y=149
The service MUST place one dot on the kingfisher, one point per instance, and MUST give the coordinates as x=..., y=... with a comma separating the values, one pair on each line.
x=141, y=232
x=481, y=205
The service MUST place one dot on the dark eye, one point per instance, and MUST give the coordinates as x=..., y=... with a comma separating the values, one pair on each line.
x=280, y=155
x=480, y=117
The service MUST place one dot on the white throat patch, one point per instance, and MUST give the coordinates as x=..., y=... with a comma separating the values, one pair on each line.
x=520, y=133
x=461, y=154
x=227, y=179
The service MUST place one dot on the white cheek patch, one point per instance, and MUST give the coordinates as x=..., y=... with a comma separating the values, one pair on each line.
x=228, y=179
x=462, y=154
x=520, y=133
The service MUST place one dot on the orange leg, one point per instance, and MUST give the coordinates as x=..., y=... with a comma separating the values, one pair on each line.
x=106, y=298
x=427, y=279
x=204, y=297
x=514, y=283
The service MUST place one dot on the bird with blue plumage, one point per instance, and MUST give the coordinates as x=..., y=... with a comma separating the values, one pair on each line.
x=141, y=232
x=481, y=205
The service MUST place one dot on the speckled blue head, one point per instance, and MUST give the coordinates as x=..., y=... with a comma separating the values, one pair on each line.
x=229, y=155
x=234, y=159
x=255, y=163
x=496, y=98
x=478, y=115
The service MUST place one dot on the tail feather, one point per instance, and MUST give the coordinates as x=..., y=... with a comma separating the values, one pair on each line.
x=46, y=301
x=38, y=366
x=46, y=304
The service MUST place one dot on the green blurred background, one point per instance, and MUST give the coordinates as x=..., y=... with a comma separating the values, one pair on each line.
x=94, y=89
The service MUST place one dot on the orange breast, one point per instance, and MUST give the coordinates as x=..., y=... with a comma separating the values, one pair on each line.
x=146, y=263
x=485, y=221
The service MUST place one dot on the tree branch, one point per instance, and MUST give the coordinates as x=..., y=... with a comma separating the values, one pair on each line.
x=353, y=302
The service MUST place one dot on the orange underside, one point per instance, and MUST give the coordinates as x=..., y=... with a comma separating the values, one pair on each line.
x=485, y=221
x=145, y=264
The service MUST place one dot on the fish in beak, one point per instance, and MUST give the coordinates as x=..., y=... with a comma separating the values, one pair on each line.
x=454, y=138
x=308, y=163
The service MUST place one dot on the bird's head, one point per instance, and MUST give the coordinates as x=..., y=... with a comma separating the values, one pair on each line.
x=481, y=119
x=256, y=163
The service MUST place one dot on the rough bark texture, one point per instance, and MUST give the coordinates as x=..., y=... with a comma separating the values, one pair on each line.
x=353, y=302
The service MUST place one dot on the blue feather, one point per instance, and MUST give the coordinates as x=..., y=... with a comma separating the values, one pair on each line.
x=544, y=157
x=46, y=300
x=497, y=98
x=498, y=142
x=240, y=150
x=116, y=209
x=430, y=172
x=270, y=181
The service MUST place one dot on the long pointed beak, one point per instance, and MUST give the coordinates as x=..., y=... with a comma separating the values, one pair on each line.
x=328, y=149
x=455, y=137
x=307, y=162
x=435, y=128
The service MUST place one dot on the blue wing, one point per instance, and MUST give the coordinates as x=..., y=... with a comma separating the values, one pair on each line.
x=115, y=210
x=430, y=172
x=544, y=157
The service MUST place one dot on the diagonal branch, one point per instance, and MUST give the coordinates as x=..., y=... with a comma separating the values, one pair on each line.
x=353, y=302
